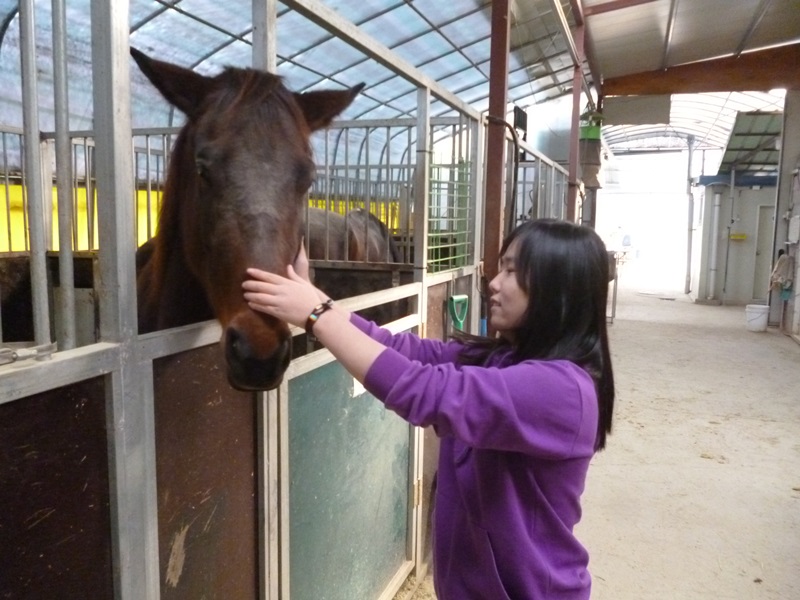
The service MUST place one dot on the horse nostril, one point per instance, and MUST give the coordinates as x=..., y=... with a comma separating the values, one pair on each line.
x=249, y=371
x=236, y=345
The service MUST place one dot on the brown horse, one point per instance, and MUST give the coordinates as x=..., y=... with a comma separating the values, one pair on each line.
x=359, y=236
x=234, y=198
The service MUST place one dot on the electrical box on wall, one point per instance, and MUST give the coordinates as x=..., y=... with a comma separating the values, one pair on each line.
x=793, y=236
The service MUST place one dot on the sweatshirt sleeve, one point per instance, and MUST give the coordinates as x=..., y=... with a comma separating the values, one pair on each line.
x=426, y=351
x=546, y=409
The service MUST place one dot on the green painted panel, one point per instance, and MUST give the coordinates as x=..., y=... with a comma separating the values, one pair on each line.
x=349, y=487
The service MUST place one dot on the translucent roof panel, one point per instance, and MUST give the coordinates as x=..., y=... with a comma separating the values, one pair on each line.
x=709, y=118
x=447, y=41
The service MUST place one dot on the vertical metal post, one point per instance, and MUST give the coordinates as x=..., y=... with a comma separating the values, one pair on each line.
x=269, y=403
x=421, y=220
x=66, y=329
x=422, y=186
x=574, y=144
x=33, y=169
x=265, y=42
x=477, y=201
x=690, y=218
x=129, y=389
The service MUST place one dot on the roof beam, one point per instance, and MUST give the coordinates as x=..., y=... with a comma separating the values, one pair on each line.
x=598, y=9
x=762, y=70
x=673, y=13
x=754, y=23
x=575, y=53
x=588, y=47
x=329, y=20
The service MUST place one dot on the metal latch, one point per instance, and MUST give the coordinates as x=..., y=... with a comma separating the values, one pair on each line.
x=15, y=354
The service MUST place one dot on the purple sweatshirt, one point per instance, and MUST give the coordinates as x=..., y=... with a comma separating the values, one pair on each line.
x=516, y=441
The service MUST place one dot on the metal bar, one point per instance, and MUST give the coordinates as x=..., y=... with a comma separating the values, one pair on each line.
x=673, y=13
x=7, y=193
x=284, y=485
x=74, y=194
x=33, y=170
x=268, y=425
x=131, y=441
x=158, y=344
x=64, y=368
x=574, y=145
x=66, y=328
x=269, y=492
x=690, y=217
x=478, y=200
x=89, y=180
x=611, y=5
x=758, y=16
x=422, y=194
x=265, y=40
x=575, y=49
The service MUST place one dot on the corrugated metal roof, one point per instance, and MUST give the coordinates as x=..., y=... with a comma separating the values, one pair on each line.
x=754, y=145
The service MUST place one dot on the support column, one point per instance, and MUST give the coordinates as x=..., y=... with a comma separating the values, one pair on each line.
x=496, y=137
x=574, y=144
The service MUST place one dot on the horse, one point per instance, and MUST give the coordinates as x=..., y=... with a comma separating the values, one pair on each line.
x=358, y=235
x=234, y=197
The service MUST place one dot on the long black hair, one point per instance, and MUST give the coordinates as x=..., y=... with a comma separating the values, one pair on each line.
x=564, y=269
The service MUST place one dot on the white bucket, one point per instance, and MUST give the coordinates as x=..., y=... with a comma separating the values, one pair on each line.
x=757, y=315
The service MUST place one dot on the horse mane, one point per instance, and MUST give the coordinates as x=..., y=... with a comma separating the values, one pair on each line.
x=240, y=88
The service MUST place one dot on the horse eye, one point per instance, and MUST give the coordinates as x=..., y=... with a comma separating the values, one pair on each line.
x=305, y=176
x=201, y=166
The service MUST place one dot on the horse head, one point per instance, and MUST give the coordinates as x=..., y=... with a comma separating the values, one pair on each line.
x=234, y=198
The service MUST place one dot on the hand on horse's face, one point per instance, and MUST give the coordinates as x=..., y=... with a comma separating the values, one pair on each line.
x=289, y=298
x=301, y=263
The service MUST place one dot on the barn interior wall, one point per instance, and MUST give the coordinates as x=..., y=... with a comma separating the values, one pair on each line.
x=549, y=127
x=737, y=236
x=789, y=207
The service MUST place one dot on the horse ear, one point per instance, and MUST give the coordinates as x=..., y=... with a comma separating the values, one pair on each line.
x=183, y=88
x=321, y=107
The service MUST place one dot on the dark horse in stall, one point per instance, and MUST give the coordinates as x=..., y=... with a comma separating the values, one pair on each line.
x=234, y=197
x=355, y=236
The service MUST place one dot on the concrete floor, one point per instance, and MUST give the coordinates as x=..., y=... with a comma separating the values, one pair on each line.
x=697, y=495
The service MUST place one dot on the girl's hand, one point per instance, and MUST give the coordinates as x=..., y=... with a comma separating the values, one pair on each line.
x=289, y=299
x=301, y=262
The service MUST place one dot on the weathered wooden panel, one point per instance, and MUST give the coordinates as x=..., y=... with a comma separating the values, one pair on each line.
x=55, y=531
x=206, y=460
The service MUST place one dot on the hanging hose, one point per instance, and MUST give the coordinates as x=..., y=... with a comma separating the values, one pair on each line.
x=509, y=224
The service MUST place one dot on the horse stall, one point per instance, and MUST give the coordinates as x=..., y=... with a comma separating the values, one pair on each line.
x=132, y=467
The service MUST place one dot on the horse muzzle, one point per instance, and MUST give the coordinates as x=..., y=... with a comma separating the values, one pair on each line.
x=257, y=359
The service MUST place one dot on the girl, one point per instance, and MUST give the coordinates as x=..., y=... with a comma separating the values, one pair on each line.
x=520, y=414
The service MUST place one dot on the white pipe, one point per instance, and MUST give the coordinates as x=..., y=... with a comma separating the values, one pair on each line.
x=690, y=220
x=732, y=190
x=711, y=281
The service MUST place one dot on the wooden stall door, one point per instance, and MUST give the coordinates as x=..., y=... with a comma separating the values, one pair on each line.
x=206, y=460
x=55, y=524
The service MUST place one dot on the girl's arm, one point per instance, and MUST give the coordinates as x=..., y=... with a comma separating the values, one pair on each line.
x=426, y=351
x=545, y=408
